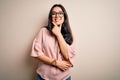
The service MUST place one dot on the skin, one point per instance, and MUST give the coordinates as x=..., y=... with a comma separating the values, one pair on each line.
x=57, y=20
x=65, y=64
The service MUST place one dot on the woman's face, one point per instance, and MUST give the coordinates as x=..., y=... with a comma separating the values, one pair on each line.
x=57, y=16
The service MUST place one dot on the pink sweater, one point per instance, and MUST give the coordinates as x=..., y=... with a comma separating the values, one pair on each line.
x=46, y=43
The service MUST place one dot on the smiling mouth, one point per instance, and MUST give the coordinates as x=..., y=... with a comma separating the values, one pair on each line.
x=57, y=20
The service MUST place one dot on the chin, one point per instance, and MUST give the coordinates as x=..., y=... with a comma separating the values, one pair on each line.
x=58, y=23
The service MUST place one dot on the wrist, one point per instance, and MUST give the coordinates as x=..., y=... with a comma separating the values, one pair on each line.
x=54, y=62
x=59, y=35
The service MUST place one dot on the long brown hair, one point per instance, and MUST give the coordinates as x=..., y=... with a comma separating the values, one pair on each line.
x=65, y=30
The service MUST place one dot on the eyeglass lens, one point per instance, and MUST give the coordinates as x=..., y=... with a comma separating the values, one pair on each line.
x=57, y=13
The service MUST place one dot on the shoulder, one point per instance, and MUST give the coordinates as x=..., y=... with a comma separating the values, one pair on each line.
x=43, y=30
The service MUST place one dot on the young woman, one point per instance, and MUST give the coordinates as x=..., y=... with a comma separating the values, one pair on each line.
x=54, y=47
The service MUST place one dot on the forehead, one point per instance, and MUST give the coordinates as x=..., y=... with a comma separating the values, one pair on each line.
x=57, y=9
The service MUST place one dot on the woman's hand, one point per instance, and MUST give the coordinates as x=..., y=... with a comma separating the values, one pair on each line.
x=56, y=29
x=63, y=65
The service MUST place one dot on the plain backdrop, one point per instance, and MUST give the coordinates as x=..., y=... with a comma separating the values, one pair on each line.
x=95, y=23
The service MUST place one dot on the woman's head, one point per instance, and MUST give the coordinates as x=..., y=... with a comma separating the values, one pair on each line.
x=59, y=16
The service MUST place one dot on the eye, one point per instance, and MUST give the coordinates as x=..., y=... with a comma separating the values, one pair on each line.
x=61, y=13
x=54, y=13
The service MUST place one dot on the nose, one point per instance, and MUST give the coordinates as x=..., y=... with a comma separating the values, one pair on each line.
x=56, y=15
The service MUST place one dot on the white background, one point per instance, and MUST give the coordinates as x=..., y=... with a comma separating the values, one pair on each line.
x=95, y=23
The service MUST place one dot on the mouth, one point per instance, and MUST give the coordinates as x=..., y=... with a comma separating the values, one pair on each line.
x=56, y=20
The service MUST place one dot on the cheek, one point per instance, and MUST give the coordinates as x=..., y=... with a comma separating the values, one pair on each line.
x=62, y=20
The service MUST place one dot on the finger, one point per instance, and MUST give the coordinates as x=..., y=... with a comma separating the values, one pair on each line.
x=60, y=25
x=54, y=24
x=65, y=69
x=69, y=65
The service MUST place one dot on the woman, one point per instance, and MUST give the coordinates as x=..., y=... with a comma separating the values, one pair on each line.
x=54, y=47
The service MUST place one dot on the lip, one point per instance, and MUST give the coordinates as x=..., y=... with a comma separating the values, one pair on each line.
x=57, y=19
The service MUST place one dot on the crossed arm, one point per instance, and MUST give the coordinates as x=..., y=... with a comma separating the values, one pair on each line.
x=65, y=64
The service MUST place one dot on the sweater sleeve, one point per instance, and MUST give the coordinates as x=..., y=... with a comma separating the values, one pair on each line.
x=37, y=46
x=71, y=52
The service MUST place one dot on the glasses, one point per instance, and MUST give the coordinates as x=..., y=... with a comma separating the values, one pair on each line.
x=60, y=14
